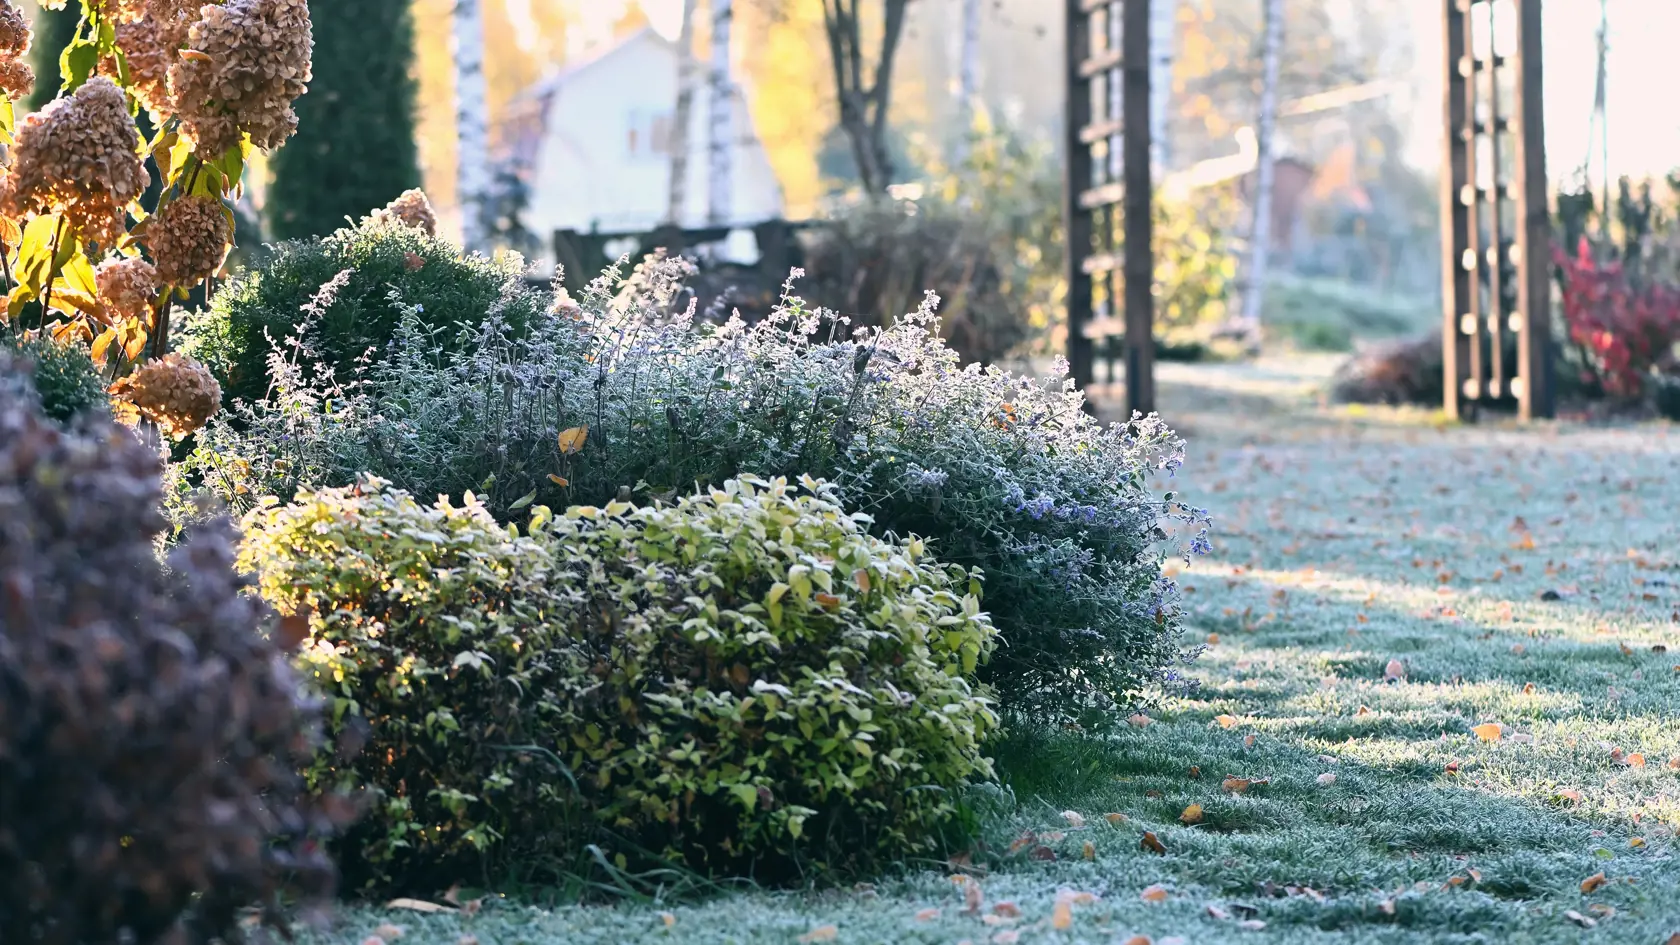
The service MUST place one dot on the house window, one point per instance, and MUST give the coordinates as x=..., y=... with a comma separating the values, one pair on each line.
x=648, y=134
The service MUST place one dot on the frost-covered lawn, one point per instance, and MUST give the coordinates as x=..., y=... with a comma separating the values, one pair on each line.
x=1446, y=660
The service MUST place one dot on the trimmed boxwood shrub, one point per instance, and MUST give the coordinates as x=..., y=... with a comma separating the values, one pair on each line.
x=60, y=377
x=742, y=681
x=387, y=265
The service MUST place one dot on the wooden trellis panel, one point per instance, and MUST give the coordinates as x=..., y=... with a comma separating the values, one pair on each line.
x=1495, y=222
x=1110, y=192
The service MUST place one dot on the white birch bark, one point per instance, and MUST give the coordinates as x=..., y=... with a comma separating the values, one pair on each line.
x=1163, y=28
x=968, y=74
x=688, y=73
x=721, y=138
x=472, y=172
x=1260, y=235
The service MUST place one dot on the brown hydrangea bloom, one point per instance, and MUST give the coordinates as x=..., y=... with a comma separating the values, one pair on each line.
x=411, y=208
x=17, y=79
x=249, y=62
x=80, y=156
x=151, y=44
x=127, y=286
x=14, y=31
x=174, y=391
x=189, y=238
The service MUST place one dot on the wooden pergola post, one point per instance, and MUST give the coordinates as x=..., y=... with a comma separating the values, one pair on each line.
x=1110, y=191
x=1495, y=216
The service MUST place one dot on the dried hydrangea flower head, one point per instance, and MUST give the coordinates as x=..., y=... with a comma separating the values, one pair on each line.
x=150, y=44
x=411, y=208
x=79, y=156
x=245, y=63
x=127, y=286
x=14, y=31
x=189, y=239
x=175, y=392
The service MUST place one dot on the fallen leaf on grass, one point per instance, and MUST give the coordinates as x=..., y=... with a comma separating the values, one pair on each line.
x=1635, y=760
x=1215, y=912
x=1636, y=842
x=1226, y=721
x=822, y=933
x=668, y=918
x=1452, y=767
x=388, y=932
x=1144, y=940
x=1088, y=850
x=1585, y=922
x=1008, y=910
x=1023, y=841
x=1156, y=893
x=1528, y=689
x=1236, y=785
x=417, y=905
x=973, y=898
x=1573, y=797
x=1674, y=762
x=1152, y=843
x=1061, y=916
x=1394, y=672
x=1601, y=910
x=1076, y=897
x=1042, y=853
x=1252, y=925
x=1327, y=778
x=1248, y=740
x=1141, y=721
x=1191, y=815
x=1074, y=819
x=927, y=915
x=1115, y=819
x=1489, y=731
x=1363, y=710
x=1592, y=883
x=1195, y=771
x=1386, y=907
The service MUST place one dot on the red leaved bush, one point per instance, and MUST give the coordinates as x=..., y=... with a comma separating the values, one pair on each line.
x=1623, y=330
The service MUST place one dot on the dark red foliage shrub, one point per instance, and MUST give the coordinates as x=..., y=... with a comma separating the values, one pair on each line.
x=1623, y=330
x=150, y=733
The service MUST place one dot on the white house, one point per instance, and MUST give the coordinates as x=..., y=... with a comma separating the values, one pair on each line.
x=595, y=142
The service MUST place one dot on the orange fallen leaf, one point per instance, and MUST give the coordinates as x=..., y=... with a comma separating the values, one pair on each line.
x=1191, y=815
x=1140, y=940
x=1023, y=841
x=1573, y=797
x=1452, y=767
x=1213, y=639
x=560, y=481
x=1248, y=741
x=1528, y=689
x=1236, y=785
x=1489, y=731
x=927, y=915
x=1226, y=721
x=1088, y=850
x=1141, y=721
x=1061, y=916
x=1636, y=842
x=1674, y=762
x=1118, y=819
x=1008, y=910
x=1195, y=771
x=1152, y=843
x=1635, y=760
x=1363, y=710
x=1395, y=670
x=1074, y=819
x=1592, y=883
x=667, y=918
x=1156, y=893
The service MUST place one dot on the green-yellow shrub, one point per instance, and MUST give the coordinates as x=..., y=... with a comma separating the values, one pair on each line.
x=764, y=682
x=742, y=680
x=432, y=636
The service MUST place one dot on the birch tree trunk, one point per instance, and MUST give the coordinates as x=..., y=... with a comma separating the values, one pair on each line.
x=968, y=75
x=472, y=170
x=1260, y=235
x=688, y=71
x=720, y=140
x=1163, y=26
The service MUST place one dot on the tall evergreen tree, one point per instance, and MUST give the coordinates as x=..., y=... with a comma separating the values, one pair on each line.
x=54, y=29
x=355, y=148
